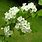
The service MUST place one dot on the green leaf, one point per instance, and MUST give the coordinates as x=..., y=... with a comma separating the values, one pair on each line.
x=39, y=12
x=33, y=15
x=40, y=2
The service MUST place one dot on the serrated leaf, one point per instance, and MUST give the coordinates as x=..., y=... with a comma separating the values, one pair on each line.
x=39, y=13
x=40, y=2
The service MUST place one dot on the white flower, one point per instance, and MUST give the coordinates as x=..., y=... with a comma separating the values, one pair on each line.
x=28, y=7
x=12, y=13
x=32, y=6
x=17, y=25
x=34, y=10
x=7, y=31
x=20, y=18
x=24, y=7
x=25, y=30
x=23, y=25
x=24, y=22
x=8, y=16
x=26, y=27
x=14, y=10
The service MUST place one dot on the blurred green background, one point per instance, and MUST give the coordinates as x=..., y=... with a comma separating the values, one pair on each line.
x=36, y=26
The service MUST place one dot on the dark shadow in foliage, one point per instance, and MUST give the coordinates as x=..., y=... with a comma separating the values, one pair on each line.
x=19, y=2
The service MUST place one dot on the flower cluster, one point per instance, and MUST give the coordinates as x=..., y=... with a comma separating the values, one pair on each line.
x=12, y=13
x=14, y=10
x=23, y=25
x=7, y=31
x=20, y=22
x=29, y=6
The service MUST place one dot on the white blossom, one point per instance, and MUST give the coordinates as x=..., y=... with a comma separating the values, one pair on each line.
x=29, y=6
x=7, y=31
x=20, y=18
x=17, y=25
x=24, y=7
x=23, y=25
x=14, y=10
x=32, y=6
x=8, y=15
x=12, y=13
x=24, y=30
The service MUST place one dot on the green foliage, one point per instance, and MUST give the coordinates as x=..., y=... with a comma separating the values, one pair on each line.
x=39, y=12
x=40, y=2
x=33, y=15
x=36, y=26
x=24, y=14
